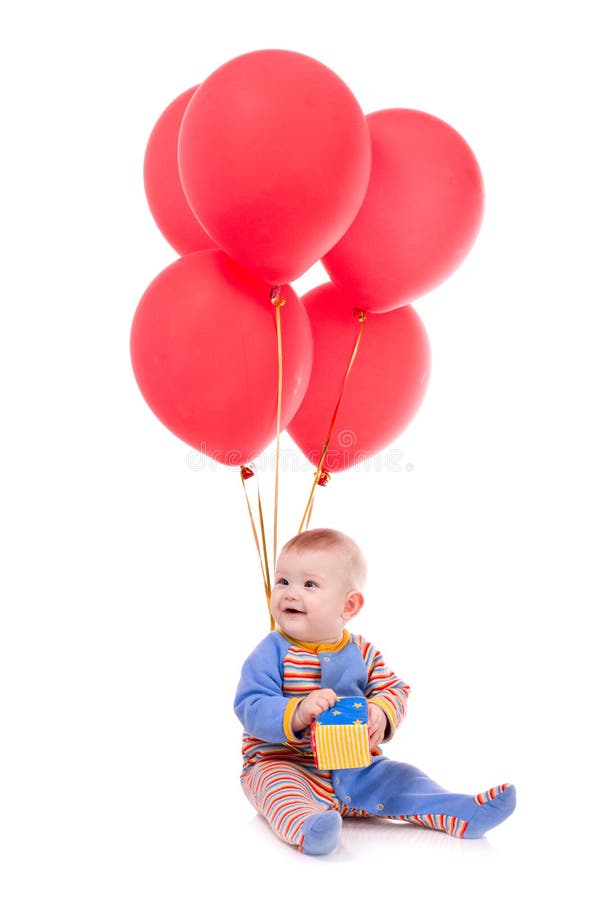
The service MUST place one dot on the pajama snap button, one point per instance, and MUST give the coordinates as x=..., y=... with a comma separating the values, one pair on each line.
x=380, y=806
x=338, y=780
x=326, y=658
x=347, y=798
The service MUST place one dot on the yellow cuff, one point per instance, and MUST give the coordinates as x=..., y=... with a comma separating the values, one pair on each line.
x=390, y=714
x=288, y=716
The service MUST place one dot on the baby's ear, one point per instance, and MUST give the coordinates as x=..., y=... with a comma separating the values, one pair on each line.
x=353, y=605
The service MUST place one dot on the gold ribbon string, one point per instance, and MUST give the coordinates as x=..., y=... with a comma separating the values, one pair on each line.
x=245, y=473
x=308, y=512
x=264, y=544
x=277, y=301
x=362, y=318
x=248, y=472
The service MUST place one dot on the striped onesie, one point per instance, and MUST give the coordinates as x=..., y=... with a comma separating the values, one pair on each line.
x=279, y=775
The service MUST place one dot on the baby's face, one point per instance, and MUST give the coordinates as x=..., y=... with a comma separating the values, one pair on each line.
x=310, y=594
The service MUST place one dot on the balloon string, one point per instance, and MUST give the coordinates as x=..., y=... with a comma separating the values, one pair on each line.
x=245, y=473
x=278, y=302
x=362, y=318
x=310, y=509
x=264, y=545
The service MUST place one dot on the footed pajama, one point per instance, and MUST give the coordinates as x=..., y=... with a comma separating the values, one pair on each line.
x=305, y=805
x=294, y=800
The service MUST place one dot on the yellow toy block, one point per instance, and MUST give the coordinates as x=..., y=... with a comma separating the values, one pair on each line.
x=340, y=735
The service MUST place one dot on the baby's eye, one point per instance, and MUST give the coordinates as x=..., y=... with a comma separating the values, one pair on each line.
x=282, y=581
x=310, y=584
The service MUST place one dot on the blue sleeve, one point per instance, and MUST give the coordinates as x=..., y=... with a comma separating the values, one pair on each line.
x=259, y=702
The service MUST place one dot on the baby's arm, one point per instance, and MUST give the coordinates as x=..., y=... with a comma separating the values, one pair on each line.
x=385, y=691
x=261, y=706
x=259, y=702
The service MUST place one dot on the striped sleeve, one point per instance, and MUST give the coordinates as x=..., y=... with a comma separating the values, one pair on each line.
x=383, y=687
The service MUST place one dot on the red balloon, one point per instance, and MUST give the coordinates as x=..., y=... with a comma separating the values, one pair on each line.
x=274, y=157
x=204, y=354
x=385, y=387
x=421, y=213
x=164, y=193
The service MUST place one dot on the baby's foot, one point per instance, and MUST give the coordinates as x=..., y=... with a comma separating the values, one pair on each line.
x=495, y=806
x=321, y=833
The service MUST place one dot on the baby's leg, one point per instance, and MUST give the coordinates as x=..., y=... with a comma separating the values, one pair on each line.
x=476, y=814
x=401, y=791
x=297, y=806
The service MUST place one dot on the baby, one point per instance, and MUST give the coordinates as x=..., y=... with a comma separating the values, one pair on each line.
x=296, y=673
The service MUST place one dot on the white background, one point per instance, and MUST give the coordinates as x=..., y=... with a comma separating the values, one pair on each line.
x=130, y=583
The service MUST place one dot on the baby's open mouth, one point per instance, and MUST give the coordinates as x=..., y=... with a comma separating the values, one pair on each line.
x=294, y=612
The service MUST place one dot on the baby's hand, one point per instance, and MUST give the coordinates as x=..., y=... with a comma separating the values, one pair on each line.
x=312, y=706
x=377, y=725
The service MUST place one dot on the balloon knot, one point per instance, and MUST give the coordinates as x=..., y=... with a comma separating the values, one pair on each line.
x=360, y=314
x=246, y=472
x=276, y=298
x=323, y=478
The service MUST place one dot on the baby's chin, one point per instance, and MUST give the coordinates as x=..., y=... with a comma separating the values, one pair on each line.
x=292, y=623
x=296, y=626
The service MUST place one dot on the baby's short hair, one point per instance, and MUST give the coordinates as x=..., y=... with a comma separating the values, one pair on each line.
x=331, y=539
